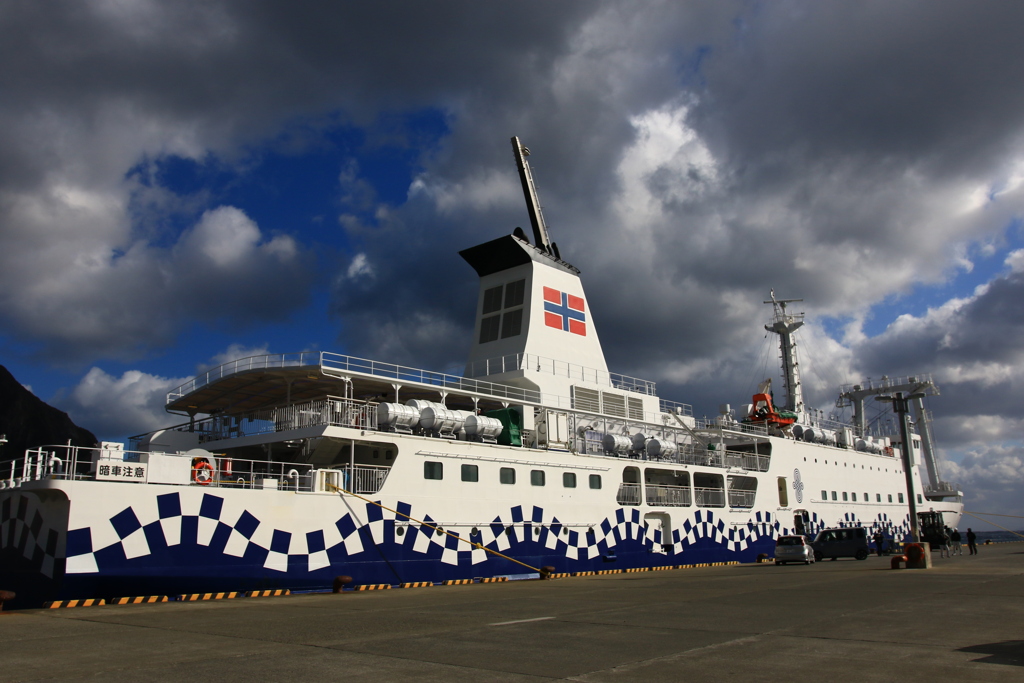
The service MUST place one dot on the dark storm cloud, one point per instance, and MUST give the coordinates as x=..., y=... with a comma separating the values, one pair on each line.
x=690, y=156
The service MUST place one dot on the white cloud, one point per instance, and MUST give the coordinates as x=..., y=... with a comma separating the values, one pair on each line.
x=117, y=407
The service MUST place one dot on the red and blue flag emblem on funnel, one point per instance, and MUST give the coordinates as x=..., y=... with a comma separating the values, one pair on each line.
x=564, y=312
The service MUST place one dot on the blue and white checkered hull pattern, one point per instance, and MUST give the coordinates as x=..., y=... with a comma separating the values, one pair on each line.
x=196, y=541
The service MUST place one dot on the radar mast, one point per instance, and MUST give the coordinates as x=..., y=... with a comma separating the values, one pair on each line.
x=785, y=324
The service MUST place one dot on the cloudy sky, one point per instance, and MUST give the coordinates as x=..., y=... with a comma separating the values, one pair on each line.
x=182, y=184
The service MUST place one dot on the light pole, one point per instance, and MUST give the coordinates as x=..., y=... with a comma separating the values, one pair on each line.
x=900, y=404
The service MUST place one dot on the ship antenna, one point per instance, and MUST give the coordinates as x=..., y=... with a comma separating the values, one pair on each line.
x=540, y=228
x=785, y=324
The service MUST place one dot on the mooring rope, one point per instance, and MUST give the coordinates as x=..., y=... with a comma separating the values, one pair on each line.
x=431, y=526
x=988, y=521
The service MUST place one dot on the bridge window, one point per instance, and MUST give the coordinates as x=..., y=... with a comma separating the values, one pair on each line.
x=507, y=475
x=470, y=473
x=433, y=470
x=569, y=480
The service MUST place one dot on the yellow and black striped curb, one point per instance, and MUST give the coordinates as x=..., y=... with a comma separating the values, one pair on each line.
x=583, y=573
x=495, y=579
x=457, y=582
x=374, y=587
x=191, y=597
x=87, y=602
x=138, y=600
x=268, y=593
x=417, y=584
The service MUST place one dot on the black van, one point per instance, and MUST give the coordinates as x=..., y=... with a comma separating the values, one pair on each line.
x=833, y=543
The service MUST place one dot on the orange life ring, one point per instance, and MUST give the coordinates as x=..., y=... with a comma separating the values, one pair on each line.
x=202, y=473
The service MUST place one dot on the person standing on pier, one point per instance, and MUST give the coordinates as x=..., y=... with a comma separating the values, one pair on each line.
x=972, y=542
x=958, y=549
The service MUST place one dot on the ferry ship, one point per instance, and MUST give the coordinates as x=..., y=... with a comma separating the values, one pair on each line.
x=287, y=471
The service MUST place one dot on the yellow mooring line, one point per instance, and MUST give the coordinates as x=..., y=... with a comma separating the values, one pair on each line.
x=988, y=521
x=431, y=526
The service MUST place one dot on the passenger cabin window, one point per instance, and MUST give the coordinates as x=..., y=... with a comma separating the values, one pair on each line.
x=470, y=473
x=844, y=496
x=824, y=495
x=507, y=475
x=834, y=496
x=854, y=494
x=867, y=498
x=537, y=477
x=595, y=481
x=900, y=496
x=433, y=470
x=878, y=497
x=569, y=480
x=890, y=497
x=919, y=501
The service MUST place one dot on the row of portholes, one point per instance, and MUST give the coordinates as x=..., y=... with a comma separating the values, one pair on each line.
x=854, y=467
x=400, y=531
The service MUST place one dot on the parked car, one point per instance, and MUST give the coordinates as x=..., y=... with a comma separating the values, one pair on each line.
x=835, y=543
x=793, y=549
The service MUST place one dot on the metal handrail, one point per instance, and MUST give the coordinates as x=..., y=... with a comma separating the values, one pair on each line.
x=709, y=497
x=628, y=494
x=664, y=495
x=530, y=361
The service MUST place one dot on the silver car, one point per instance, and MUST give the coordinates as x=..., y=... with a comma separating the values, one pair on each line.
x=793, y=549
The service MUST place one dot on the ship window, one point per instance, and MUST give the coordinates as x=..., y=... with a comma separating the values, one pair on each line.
x=470, y=473
x=537, y=478
x=783, y=492
x=824, y=495
x=854, y=494
x=595, y=481
x=515, y=293
x=890, y=497
x=489, y=328
x=433, y=470
x=834, y=496
x=492, y=300
x=878, y=497
x=511, y=323
x=900, y=496
x=844, y=496
x=569, y=480
x=507, y=475
x=867, y=498
x=919, y=501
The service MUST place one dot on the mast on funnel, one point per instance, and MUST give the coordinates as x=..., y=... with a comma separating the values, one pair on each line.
x=540, y=228
x=785, y=324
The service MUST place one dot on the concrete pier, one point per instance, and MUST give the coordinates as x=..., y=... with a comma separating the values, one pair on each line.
x=846, y=620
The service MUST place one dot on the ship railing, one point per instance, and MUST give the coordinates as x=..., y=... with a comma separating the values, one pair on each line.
x=739, y=498
x=661, y=495
x=684, y=409
x=213, y=471
x=330, y=411
x=266, y=362
x=709, y=497
x=752, y=462
x=340, y=363
x=628, y=494
x=529, y=361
